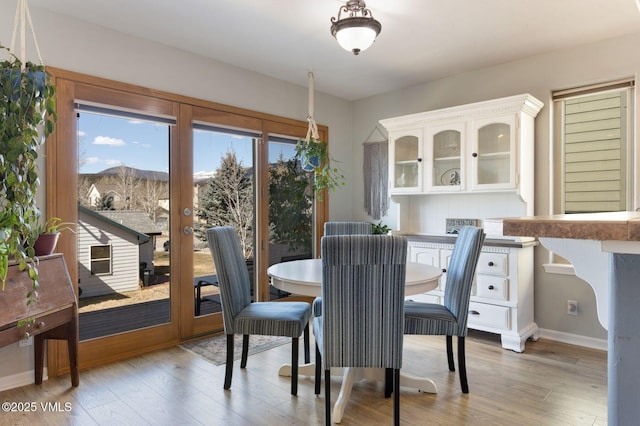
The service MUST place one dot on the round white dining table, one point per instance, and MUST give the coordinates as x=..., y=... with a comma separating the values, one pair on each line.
x=304, y=277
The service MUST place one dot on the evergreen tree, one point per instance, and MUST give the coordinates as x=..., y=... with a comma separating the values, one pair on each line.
x=227, y=200
x=290, y=205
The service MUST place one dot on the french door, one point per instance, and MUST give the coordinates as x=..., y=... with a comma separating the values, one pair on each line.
x=199, y=141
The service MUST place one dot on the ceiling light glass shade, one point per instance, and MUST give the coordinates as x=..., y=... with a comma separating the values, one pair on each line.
x=358, y=31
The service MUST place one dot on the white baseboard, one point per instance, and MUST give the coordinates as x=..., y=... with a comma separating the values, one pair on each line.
x=20, y=379
x=574, y=339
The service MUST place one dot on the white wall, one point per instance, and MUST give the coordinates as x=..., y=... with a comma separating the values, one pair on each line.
x=73, y=45
x=600, y=62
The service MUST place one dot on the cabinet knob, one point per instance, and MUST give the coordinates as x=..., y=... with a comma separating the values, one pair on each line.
x=474, y=312
x=444, y=271
x=490, y=263
x=474, y=155
x=491, y=287
x=419, y=160
x=40, y=324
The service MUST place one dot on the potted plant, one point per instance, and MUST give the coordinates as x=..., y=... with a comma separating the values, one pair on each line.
x=380, y=228
x=314, y=157
x=47, y=235
x=27, y=116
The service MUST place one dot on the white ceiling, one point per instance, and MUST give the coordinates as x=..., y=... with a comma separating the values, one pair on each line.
x=421, y=40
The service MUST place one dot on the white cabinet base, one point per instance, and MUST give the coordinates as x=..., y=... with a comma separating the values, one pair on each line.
x=502, y=295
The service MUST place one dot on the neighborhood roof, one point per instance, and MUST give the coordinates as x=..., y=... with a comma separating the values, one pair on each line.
x=137, y=222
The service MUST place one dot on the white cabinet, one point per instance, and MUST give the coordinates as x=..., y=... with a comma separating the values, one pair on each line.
x=481, y=147
x=446, y=157
x=502, y=295
x=405, y=153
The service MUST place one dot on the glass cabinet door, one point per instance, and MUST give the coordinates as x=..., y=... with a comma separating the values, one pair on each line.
x=406, y=173
x=493, y=153
x=447, y=165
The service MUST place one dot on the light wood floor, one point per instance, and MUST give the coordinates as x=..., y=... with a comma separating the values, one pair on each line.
x=549, y=384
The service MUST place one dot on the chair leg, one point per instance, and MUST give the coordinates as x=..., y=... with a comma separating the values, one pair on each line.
x=229, y=370
x=396, y=397
x=294, y=366
x=452, y=366
x=318, y=369
x=307, y=354
x=245, y=350
x=462, y=365
x=327, y=397
x=388, y=382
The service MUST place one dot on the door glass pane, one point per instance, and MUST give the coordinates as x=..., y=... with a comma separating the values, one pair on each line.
x=446, y=158
x=223, y=179
x=494, y=154
x=123, y=222
x=406, y=161
x=290, y=207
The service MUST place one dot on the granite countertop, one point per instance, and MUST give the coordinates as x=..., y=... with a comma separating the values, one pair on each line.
x=614, y=226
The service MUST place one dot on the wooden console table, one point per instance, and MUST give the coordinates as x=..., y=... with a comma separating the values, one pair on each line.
x=55, y=313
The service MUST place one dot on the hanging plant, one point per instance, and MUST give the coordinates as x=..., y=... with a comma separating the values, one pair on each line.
x=27, y=116
x=313, y=155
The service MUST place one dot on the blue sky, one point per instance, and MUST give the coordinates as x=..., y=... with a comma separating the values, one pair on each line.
x=105, y=141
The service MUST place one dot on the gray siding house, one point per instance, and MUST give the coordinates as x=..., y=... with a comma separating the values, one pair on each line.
x=112, y=250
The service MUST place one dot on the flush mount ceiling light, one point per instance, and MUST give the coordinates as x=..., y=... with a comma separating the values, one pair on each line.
x=357, y=30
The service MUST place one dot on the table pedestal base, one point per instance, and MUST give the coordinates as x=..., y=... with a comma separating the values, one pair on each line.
x=352, y=375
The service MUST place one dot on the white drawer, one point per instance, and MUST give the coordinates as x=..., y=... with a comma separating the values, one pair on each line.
x=492, y=287
x=488, y=315
x=424, y=298
x=493, y=263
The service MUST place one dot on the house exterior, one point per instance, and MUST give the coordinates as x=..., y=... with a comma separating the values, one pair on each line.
x=112, y=250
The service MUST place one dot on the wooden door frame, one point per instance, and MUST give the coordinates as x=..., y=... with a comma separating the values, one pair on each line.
x=61, y=148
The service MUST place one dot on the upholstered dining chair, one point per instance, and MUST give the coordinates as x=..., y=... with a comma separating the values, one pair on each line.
x=347, y=228
x=241, y=316
x=450, y=319
x=363, y=282
x=341, y=228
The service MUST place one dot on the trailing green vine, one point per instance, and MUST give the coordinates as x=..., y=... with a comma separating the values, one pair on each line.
x=27, y=117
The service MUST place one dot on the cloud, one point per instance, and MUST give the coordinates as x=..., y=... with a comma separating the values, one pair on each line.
x=113, y=162
x=91, y=160
x=106, y=140
x=82, y=133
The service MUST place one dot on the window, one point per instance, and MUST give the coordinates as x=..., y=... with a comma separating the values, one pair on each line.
x=100, y=260
x=593, y=153
x=593, y=149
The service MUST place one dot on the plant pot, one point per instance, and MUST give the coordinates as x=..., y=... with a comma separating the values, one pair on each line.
x=35, y=81
x=46, y=244
x=309, y=164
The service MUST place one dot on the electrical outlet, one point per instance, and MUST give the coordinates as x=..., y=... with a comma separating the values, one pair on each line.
x=572, y=307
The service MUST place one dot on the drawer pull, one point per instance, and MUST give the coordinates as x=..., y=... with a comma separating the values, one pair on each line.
x=490, y=263
x=444, y=271
x=41, y=324
x=491, y=287
x=474, y=312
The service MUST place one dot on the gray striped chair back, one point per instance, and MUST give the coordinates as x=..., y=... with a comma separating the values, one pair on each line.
x=233, y=276
x=363, y=280
x=461, y=271
x=347, y=228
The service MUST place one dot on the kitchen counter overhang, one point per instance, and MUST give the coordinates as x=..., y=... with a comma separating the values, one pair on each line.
x=604, y=249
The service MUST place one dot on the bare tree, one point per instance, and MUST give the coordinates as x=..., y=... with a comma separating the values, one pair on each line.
x=151, y=192
x=127, y=184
